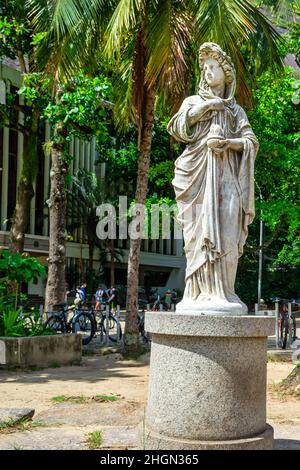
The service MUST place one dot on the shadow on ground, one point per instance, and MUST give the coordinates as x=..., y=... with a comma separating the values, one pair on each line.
x=93, y=369
x=286, y=444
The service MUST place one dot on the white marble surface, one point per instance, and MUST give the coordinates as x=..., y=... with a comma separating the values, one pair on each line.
x=214, y=186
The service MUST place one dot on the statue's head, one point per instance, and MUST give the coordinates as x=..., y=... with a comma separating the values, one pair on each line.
x=216, y=68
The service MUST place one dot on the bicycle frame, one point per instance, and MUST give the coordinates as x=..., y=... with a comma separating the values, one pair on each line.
x=80, y=321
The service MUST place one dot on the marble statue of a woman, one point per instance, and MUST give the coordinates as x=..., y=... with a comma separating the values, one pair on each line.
x=214, y=186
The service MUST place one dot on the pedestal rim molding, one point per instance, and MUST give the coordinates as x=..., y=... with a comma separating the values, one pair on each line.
x=178, y=324
x=263, y=440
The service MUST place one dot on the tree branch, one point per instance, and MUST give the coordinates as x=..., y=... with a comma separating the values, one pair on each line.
x=266, y=244
x=22, y=62
x=18, y=128
x=83, y=129
x=22, y=108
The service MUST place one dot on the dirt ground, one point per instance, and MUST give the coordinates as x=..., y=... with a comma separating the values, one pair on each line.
x=65, y=425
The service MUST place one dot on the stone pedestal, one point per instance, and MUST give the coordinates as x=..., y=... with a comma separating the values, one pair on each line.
x=207, y=387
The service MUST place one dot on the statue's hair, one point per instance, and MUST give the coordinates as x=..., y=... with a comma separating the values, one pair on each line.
x=214, y=51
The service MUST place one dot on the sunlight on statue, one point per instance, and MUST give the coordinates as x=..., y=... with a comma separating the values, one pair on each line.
x=214, y=186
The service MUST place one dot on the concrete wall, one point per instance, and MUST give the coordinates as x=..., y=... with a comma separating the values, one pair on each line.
x=40, y=350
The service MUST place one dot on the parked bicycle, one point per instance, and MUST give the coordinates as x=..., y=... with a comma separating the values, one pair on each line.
x=114, y=326
x=65, y=319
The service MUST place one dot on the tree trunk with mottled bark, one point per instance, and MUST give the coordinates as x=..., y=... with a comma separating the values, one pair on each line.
x=131, y=343
x=56, y=283
x=25, y=191
x=90, y=273
x=112, y=263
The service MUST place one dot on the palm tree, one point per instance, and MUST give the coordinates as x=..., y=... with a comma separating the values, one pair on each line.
x=86, y=194
x=60, y=54
x=154, y=41
x=153, y=44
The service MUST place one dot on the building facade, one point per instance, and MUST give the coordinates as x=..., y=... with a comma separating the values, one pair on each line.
x=162, y=261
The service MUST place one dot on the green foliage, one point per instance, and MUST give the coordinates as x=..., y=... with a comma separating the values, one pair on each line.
x=285, y=14
x=106, y=398
x=164, y=152
x=25, y=424
x=36, y=90
x=94, y=439
x=276, y=123
x=16, y=323
x=290, y=253
x=87, y=193
x=12, y=324
x=15, y=269
x=18, y=268
x=121, y=157
x=80, y=105
x=17, y=38
x=161, y=173
x=15, y=34
x=294, y=41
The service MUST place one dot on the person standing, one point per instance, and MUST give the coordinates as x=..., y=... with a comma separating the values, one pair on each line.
x=79, y=299
x=99, y=298
x=168, y=299
x=156, y=302
x=174, y=299
x=113, y=299
x=83, y=291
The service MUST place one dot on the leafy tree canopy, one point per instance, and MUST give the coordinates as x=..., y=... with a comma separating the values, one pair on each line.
x=81, y=107
x=276, y=123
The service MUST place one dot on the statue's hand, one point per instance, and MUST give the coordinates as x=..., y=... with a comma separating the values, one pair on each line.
x=215, y=104
x=225, y=144
x=219, y=145
x=198, y=110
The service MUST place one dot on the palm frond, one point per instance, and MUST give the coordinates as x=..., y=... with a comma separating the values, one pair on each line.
x=125, y=18
x=64, y=16
x=125, y=86
x=231, y=23
x=169, y=39
x=287, y=9
x=74, y=30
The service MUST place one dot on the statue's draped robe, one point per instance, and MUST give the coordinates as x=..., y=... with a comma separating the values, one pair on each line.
x=218, y=189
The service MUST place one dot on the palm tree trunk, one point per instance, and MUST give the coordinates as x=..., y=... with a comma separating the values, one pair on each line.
x=55, y=289
x=91, y=256
x=112, y=263
x=91, y=265
x=131, y=342
x=25, y=192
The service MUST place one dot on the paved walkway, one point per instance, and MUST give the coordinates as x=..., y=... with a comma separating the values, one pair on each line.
x=66, y=425
x=114, y=437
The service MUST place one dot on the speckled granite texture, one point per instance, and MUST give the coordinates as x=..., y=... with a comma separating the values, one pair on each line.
x=207, y=382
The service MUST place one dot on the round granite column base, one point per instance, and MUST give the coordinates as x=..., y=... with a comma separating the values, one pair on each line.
x=207, y=384
x=263, y=441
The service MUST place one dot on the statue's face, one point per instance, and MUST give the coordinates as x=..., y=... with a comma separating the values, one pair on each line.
x=213, y=72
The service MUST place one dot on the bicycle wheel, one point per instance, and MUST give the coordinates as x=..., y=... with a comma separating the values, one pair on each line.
x=115, y=333
x=55, y=323
x=84, y=324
